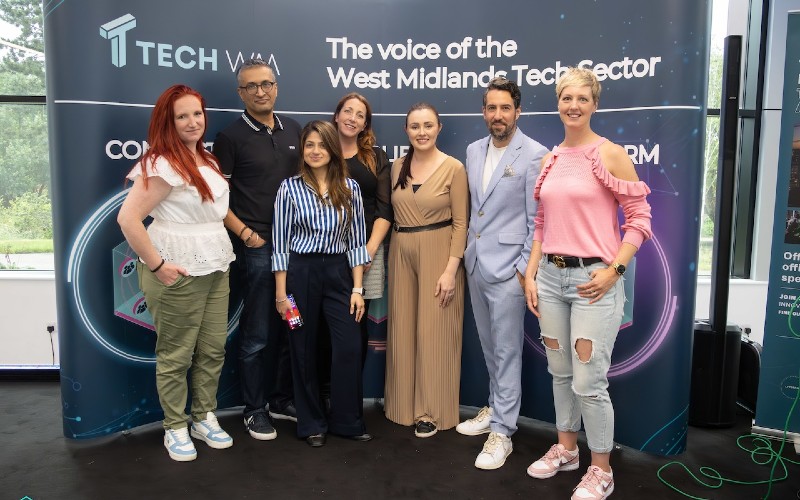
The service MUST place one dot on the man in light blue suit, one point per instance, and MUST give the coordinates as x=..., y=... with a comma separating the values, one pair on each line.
x=502, y=170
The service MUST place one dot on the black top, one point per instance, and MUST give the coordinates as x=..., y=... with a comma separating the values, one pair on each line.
x=256, y=159
x=376, y=189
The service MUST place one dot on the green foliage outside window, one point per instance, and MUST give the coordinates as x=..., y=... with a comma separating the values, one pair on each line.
x=25, y=211
x=21, y=72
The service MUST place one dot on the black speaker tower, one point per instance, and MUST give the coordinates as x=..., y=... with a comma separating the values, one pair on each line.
x=717, y=345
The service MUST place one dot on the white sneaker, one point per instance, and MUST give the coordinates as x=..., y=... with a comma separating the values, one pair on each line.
x=178, y=444
x=477, y=425
x=596, y=484
x=495, y=451
x=209, y=431
x=556, y=459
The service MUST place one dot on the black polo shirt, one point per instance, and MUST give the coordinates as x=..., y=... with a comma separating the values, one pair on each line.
x=256, y=159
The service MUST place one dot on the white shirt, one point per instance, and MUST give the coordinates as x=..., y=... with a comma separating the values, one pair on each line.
x=186, y=230
x=493, y=156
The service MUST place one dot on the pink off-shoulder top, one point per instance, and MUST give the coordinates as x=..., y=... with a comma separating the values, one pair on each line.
x=578, y=206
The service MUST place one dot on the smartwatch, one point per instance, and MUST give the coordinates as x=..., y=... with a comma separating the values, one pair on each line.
x=359, y=291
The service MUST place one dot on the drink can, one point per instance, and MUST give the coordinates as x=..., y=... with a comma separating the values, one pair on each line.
x=293, y=314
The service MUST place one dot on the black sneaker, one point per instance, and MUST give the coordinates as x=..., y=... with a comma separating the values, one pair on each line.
x=259, y=427
x=424, y=429
x=285, y=412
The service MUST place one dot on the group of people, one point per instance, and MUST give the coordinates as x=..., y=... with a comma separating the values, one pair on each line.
x=308, y=212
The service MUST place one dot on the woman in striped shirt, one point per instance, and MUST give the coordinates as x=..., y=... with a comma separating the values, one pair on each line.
x=319, y=255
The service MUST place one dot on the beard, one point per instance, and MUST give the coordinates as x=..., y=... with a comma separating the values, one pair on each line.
x=505, y=133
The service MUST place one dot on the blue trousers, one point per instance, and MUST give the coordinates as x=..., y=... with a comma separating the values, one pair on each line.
x=499, y=310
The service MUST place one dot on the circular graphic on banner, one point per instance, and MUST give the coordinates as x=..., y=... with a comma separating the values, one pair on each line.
x=95, y=307
x=789, y=386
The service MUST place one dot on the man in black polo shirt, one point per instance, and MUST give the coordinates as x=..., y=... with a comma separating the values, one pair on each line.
x=256, y=152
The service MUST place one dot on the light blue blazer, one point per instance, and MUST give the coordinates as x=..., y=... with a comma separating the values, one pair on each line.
x=501, y=219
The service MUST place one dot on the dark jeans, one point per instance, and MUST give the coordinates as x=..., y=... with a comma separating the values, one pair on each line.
x=263, y=340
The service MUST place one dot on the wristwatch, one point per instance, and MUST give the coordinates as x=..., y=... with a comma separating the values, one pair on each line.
x=359, y=291
x=619, y=268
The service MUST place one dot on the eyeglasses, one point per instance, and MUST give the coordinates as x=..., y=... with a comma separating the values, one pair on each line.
x=252, y=88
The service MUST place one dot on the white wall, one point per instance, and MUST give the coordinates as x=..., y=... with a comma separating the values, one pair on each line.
x=747, y=303
x=27, y=307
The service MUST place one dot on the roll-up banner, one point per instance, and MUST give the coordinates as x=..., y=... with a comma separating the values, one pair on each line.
x=778, y=382
x=107, y=62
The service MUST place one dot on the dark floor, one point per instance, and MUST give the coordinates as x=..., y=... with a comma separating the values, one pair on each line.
x=38, y=462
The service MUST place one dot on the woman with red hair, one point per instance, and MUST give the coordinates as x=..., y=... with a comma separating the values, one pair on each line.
x=184, y=255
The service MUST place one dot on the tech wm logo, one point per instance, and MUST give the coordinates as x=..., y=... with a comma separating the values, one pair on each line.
x=154, y=53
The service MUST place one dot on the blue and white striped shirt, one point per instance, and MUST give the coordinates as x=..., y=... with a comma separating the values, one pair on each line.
x=303, y=224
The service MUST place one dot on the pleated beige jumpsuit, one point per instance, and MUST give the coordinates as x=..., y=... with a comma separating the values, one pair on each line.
x=423, y=355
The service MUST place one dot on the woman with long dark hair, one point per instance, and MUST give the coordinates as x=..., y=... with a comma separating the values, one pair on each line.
x=183, y=270
x=368, y=165
x=319, y=256
x=426, y=280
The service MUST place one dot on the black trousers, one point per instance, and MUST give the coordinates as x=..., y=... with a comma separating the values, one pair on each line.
x=321, y=285
x=324, y=351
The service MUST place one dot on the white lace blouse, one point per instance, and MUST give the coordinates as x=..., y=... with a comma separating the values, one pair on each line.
x=185, y=230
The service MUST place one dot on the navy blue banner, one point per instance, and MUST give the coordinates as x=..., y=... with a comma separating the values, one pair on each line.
x=779, y=383
x=107, y=62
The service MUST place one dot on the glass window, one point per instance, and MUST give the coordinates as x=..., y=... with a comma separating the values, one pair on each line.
x=26, y=226
x=21, y=49
x=719, y=18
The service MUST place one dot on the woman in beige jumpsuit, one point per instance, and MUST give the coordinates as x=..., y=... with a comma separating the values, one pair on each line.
x=426, y=281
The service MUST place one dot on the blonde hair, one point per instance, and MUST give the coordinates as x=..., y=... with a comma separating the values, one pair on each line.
x=579, y=77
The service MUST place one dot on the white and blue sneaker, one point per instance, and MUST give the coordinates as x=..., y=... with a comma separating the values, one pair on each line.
x=209, y=431
x=178, y=444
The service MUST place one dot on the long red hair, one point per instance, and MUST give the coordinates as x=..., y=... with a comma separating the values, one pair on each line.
x=164, y=141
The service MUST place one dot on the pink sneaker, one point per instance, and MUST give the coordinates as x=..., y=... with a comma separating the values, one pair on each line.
x=556, y=459
x=595, y=485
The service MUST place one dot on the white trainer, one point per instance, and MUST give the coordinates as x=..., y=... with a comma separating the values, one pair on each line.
x=495, y=451
x=476, y=425
x=557, y=459
x=209, y=431
x=178, y=444
x=596, y=484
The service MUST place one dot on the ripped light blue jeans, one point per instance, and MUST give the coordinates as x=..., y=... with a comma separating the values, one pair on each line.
x=580, y=388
